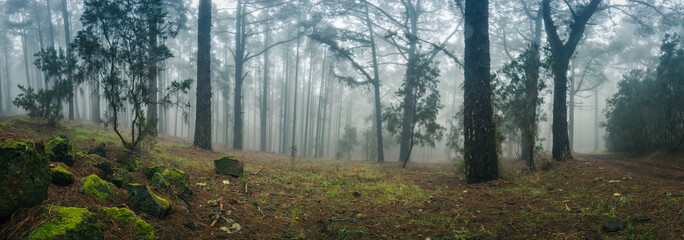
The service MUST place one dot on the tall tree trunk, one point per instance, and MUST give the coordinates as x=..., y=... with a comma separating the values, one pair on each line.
x=305, y=142
x=50, y=31
x=408, y=107
x=480, y=155
x=596, y=119
x=26, y=62
x=376, y=90
x=203, y=113
x=285, y=113
x=532, y=91
x=263, y=110
x=152, y=111
x=293, y=148
x=67, y=41
x=7, y=75
x=561, y=53
x=239, y=78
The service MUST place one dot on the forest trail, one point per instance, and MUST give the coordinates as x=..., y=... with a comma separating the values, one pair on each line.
x=658, y=168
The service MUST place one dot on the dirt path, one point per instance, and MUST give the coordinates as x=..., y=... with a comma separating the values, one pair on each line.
x=666, y=170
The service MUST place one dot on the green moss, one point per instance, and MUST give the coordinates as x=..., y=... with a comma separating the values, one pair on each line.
x=150, y=171
x=98, y=188
x=61, y=176
x=163, y=202
x=125, y=216
x=80, y=155
x=60, y=150
x=68, y=223
x=129, y=160
x=159, y=181
x=24, y=175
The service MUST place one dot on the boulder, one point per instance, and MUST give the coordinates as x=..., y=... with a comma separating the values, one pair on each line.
x=60, y=150
x=104, y=170
x=24, y=176
x=613, y=225
x=124, y=218
x=98, y=188
x=121, y=178
x=160, y=182
x=61, y=176
x=68, y=223
x=150, y=171
x=179, y=180
x=229, y=165
x=143, y=199
x=129, y=160
x=99, y=150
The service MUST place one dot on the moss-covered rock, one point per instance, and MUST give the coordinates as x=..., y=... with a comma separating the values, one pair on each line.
x=60, y=150
x=150, y=171
x=61, y=176
x=68, y=223
x=80, y=155
x=121, y=178
x=125, y=217
x=160, y=182
x=229, y=165
x=179, y=180
x=24, y=176
x=104, y=170
x=129, y=160
x=143, y=199
x=98, y=188
x=100, y=150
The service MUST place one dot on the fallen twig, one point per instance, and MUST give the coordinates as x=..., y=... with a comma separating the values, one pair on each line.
x=262, y=213
x=564, y=201
x=257, y=172
x=246, y=188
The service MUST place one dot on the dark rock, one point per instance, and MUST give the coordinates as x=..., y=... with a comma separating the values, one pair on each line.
x=356, y=194
x=613, y=225
x=121, y=178
x=24, y=176
x=60, y=150
x=229, y=166
x=100, y=150
x=150, y=171
x=68, y=223
x=190, y=224
x=105, y=170
x=61, y=176
x=143, y=199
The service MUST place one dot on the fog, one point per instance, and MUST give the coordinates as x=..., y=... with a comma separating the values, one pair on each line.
x=304, y=65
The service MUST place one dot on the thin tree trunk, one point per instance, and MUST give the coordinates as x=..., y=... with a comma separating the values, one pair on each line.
x=26, y=63
x=203, y=113
x=376, y=90
x=152, y=111
x=263, y=110
x=293, y=148
x=305, y=142
x=480, y=155
x=596, y=119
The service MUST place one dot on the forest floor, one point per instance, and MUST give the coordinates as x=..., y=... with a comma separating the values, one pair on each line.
x=334, y=199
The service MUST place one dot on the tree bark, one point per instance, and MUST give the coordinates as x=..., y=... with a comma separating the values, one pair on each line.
x=408, y=107
x=239, y=78
x=293, y=148
x=152, y=111
x=203, y=113
x=67, y=41
x=50, y=31
x=26, y=63
x=480, y=155
x=376, y=90
x=263, y=109
x=596, y=119
x=561, y=53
